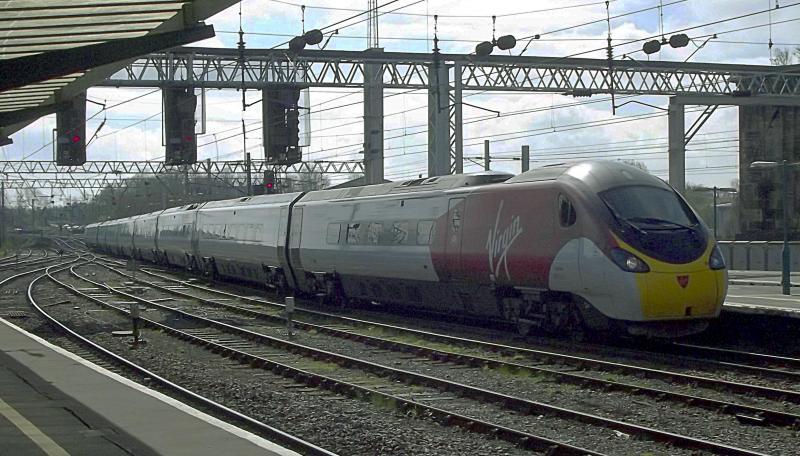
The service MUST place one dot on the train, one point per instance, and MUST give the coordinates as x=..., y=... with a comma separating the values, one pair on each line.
x=576, y=248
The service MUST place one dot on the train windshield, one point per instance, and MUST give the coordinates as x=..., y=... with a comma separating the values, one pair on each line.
x=656, y=221
x=650, y=208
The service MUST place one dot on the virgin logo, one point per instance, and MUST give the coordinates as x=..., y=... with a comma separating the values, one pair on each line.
x=499, y=243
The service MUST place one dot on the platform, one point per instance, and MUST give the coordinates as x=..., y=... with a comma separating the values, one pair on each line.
x=766, y=278
x=54, y=403
x=762, y=299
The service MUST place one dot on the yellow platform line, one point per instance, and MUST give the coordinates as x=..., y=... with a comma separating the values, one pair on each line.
x=44, y=442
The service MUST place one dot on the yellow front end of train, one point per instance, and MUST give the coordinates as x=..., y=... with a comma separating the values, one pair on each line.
x=682, y=291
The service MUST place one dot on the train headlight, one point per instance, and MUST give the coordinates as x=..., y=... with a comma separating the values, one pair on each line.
x=716, y=261
x=628, y=261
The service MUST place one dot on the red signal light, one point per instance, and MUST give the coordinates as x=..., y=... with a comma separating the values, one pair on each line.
x=76, y=139
x=270, y=185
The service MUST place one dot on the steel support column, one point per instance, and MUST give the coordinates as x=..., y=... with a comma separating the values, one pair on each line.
x=456, y=124
x=373, y=121
x=526, y=158
x=677, y=145
x=438, y=120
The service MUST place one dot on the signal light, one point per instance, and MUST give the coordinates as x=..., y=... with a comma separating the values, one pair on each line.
x=71, y=133
x=269, y=182
x=179, y=122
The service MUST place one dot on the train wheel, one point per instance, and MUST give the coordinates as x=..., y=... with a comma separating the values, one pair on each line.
x=564, y=318
x=281, y=285
x=334, y=295
x=512, y=310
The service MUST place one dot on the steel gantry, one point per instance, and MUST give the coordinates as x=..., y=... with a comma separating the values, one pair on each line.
x=447, y=76
x=200, y=168
x=97, y=175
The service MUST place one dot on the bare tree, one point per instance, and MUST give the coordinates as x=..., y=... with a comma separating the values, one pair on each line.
x=781, y=57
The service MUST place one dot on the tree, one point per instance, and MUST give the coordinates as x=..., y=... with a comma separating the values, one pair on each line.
x=307, y=182
x=782, y=56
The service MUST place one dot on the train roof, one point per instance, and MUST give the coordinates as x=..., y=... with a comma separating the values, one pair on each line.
x=599, y=175
x=426, y=184
x=252, y=200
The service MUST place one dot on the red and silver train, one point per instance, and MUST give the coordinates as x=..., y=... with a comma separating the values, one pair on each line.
x=593, y=245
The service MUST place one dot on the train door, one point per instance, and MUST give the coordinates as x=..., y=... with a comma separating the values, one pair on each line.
x=295, y=231
x=455, y=228
x=283, y=253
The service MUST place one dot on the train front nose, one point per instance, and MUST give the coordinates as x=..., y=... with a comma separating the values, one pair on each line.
x=680, y=294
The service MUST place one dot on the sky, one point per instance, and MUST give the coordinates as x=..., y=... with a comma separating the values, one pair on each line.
x=556, y=127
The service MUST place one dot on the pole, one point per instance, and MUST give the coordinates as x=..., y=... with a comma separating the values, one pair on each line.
x=526, y=158
x=486, y=164
x=715, y=212
x=2, y=212
x=247, y=169
x=289, y=312
x=786, y=269
x=208, y=177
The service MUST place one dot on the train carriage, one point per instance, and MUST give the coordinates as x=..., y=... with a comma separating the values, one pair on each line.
x=375, y=242
x=144, y=236
x=175, y=236
x=241, y=238
x=90, y=235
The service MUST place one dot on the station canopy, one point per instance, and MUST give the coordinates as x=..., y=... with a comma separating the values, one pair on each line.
x=52, y=50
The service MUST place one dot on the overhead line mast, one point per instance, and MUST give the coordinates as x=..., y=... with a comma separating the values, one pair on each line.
x=372, y=24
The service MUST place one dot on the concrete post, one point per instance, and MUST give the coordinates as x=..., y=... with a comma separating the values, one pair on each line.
x=526, y=158
x=438, y=120
x=677, y=145
x=373, y=120
x=486, y=159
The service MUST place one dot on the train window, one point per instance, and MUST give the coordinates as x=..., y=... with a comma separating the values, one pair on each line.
x=352, y=233
x=399, y=232
x=332, y=236
x=424, y=232
x=566, y=212
x=374, y=233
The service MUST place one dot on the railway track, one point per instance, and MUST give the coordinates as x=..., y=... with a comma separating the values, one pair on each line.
x=12, y=258
x=249, y=345
x=299, y=367
x=350, y=328
x=93, y=352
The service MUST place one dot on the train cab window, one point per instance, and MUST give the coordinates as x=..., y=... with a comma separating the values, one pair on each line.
x=566, y=212
x=332, y=236
x=424, y=232
x=352, y=233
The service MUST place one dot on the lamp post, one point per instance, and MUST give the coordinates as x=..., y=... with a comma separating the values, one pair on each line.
x=786, y=254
